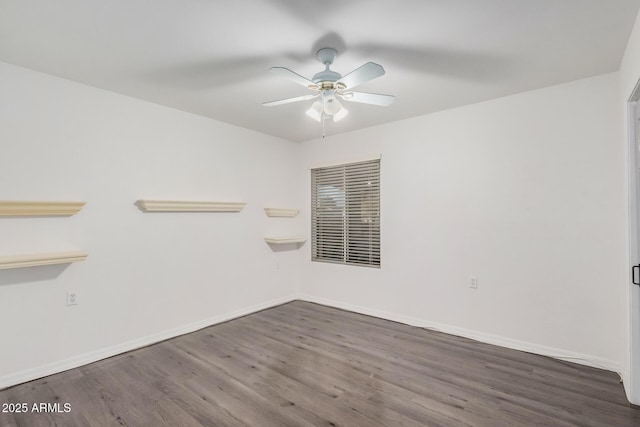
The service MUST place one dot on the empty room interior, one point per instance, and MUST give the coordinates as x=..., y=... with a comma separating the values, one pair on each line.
x=338, y=213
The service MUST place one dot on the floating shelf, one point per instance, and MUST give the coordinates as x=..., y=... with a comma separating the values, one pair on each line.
x=188, y=206
x=289, y=213
x=12, y=208
x=285, y=240
x=20, y=261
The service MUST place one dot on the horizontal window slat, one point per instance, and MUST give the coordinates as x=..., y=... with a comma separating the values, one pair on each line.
x=345, y=169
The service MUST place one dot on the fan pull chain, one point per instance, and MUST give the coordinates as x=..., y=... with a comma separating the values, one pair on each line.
x=323, y=134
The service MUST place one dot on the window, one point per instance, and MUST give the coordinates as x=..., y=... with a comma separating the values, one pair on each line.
x=345, y=213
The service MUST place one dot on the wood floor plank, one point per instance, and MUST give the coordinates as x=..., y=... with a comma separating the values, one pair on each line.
x=247, y=368
x=375, y=364
x=206, y=411
x=545, y=402
x=304, y=364
x=250, y=368
x=338, y=376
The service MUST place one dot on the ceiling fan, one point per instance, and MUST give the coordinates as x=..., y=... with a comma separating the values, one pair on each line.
x=331, y=87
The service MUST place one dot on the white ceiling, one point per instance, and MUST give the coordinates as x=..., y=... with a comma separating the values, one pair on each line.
x=212, y=57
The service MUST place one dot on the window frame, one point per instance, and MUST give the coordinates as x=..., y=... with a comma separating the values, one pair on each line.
x=350, y=191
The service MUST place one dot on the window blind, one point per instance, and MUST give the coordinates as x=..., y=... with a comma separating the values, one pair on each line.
x=345, y=224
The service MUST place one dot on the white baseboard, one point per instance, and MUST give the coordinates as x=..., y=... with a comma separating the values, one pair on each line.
x=556, y=353
x=94, y=356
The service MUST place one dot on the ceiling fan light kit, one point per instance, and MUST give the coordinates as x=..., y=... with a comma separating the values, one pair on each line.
x=340, y=114
x=315, y=112
x=331, y=86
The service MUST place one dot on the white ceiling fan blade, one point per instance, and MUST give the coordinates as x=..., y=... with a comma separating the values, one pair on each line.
x=368, y=98
x=295, y=77
x=289, y=100
x=364, y=73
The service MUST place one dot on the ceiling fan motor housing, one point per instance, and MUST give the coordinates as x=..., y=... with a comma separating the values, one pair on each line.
x=327, y=55
x=326, y=76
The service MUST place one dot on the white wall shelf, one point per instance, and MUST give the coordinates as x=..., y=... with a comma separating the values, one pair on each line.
x=188, y=206
x=283, y=240
x=34, y=260
x=32, y=208
x=281, y=212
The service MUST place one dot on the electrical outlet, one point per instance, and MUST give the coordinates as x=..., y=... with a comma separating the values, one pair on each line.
x=473, y=282
x=72, y=298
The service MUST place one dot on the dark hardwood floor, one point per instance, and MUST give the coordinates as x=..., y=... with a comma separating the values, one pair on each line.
x=303, y=364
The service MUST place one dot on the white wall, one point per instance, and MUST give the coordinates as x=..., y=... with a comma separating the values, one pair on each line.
x=526, y=192
x=148, y=276
x=629, y=77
